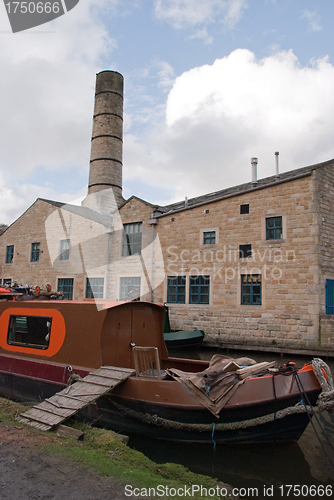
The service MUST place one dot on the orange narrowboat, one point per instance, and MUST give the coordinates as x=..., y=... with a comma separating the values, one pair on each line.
x=43, y=342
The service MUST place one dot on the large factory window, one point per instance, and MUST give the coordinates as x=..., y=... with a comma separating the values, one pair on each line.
x=130, y=288
x=94, y=288
x=176, y=289
x=131, y=239
x=35, y=252
x=65, y=285
x=251, y=289
x=199, y=289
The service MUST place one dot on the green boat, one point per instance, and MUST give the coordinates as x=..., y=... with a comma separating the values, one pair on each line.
x=181, y=339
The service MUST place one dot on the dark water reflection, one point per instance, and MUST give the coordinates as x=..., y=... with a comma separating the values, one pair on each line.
x=257, y=466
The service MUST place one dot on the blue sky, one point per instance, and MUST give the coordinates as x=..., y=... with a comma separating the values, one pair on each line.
x=208, y=85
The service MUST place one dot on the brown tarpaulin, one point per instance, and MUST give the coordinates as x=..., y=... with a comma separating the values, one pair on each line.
x=214, y=386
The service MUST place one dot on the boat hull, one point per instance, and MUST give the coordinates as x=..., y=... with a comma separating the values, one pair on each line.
x=184, y=339
x=284, y=430
x=42, y=343
x=159, y=409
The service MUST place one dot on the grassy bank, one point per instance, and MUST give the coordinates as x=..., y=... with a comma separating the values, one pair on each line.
x=104, y=452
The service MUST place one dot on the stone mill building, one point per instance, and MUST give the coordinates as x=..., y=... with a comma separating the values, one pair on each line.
x=251, y=265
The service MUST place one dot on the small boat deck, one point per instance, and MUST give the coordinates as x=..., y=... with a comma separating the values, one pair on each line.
x=66, y=403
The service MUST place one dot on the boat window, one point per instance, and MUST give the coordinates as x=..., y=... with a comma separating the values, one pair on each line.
x=29, y=331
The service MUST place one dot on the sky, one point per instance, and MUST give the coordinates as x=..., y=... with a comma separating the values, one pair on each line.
x=207, y=86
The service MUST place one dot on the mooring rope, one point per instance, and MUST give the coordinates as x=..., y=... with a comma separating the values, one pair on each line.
x=326, y=398
x=325, y=403
x=175, y=425
x=326, y=384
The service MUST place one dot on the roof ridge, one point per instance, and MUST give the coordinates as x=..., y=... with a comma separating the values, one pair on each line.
x=241, y=188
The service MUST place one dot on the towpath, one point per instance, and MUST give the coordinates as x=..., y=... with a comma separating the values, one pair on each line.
x=28, y=472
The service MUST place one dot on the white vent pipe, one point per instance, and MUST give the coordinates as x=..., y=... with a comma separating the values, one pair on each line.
x=277, y=168
x=254, y=162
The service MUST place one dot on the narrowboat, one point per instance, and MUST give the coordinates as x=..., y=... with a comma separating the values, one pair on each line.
x=44, y=342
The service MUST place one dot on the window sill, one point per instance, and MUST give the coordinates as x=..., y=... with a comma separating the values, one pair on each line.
x=177, y=304
x=273, y=242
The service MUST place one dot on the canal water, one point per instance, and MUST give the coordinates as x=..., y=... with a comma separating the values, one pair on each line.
x=260, y=471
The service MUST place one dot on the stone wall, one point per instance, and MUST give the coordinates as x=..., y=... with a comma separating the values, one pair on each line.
x=326, y=331
x=28, y=229
x=289, y=312
x=325, y=224
x=132, y=266
x=293, y=269
x=48, y=224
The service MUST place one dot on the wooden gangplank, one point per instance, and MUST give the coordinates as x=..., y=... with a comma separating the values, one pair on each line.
x=66, y=403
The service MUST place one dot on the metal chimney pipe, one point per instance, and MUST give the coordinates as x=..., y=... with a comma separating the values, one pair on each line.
x=277, y=169
x=254, y=162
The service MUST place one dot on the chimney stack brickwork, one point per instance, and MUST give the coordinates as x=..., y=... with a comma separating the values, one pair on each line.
x=105, y=174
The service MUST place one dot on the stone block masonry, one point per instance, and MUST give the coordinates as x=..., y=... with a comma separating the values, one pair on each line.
x=288, y=314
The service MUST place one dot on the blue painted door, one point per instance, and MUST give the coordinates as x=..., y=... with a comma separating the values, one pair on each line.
x=329, y=296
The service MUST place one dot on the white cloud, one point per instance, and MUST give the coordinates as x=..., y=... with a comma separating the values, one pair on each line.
x=219, y=116
x=15, y=199
x=47, y=94
x=166, y=75
x=202, y=34
x=185, y=13
x=46, y=91
x=313, y=19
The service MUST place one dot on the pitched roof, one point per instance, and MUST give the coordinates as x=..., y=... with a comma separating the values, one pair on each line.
x=238, y=190
x=102, y=218
x=134, y=197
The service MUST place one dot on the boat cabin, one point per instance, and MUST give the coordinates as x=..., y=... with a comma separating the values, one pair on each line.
x=83, y=334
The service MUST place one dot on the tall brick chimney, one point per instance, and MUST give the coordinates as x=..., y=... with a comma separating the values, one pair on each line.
x=105, y=171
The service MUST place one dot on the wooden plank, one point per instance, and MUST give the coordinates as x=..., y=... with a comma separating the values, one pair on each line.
x=98, y=380
x=40, y=420
x=36, y=425
x=116, y=368
x=44, y=417
x=113, y=374
x=85, y=393
x=253, y=369
x=85, y=387
x=51, y=412
x=66, y=402
x=64, y=430
x=61, y=412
